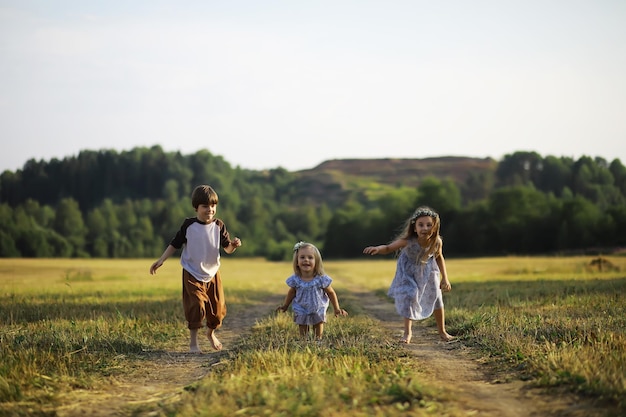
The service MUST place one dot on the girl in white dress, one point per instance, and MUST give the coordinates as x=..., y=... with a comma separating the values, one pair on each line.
x=421, y=273
x=310, y=291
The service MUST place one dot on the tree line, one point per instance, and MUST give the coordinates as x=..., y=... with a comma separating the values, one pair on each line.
x=109, y=204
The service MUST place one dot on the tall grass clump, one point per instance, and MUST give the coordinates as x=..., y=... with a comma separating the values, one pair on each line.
x=79, y=324
x=566, y=334
x=354, y=371
x=50, y=349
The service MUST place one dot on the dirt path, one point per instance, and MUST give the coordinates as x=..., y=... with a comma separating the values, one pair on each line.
x=162, y=377
x=468, y=381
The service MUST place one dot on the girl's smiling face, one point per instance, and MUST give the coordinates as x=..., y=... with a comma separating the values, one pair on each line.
x=424, y=226
x=306, y=261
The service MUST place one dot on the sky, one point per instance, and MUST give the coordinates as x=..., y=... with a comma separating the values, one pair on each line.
x=291, y=84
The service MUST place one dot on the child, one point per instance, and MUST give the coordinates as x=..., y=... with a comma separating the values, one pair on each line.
x=310, y=291
x=201, y=238
x=416, y=286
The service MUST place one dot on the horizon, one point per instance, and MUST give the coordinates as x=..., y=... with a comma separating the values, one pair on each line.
x=381, y=158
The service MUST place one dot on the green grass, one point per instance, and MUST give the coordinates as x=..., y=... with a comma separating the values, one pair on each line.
x=275, y=373
x=559, y=322
x=67, y=324
x=565, y=333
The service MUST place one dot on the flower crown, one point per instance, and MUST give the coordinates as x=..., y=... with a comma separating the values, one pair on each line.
x=299, y=245
x=423, y=212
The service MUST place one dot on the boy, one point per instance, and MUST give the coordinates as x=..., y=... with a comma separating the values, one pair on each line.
x=201, y=238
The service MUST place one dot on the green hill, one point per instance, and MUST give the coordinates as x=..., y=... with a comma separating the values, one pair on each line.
x=332, y=181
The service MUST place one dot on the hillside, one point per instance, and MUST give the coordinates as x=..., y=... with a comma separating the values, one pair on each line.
x=405, y=171
x=333, y=180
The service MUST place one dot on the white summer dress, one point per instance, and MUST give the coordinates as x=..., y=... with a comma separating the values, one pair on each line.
x=311, y=302
x=415, y=286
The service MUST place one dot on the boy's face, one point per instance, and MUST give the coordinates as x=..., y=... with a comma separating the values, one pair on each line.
x=206, y=212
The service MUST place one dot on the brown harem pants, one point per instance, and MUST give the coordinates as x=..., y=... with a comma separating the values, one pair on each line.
x=203, y=301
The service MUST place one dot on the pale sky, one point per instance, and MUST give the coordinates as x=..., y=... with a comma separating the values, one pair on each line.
x=291, y=84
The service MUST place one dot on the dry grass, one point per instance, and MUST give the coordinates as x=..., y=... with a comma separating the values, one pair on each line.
x=557, y=321
x=71, y=323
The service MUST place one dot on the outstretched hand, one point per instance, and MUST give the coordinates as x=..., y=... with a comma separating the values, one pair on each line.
x=371, y=250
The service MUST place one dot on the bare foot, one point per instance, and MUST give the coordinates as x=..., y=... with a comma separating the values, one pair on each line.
x=446, y=337
x=217, y=345
x=406, y=339
x=194, y=348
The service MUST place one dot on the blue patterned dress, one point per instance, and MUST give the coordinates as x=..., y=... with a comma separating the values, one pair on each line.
x=415, y=286
x=311, y=302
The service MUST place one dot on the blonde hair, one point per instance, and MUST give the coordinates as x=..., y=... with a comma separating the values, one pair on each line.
x=434, y=244
x=319, y=265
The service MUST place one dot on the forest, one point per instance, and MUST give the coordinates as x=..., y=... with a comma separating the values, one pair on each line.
x=129, y=204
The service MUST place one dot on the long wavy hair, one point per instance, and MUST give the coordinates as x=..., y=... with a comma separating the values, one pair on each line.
x=434, y=243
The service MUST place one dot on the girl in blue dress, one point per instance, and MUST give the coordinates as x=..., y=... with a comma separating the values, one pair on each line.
x=421, y=273
x=310, y=291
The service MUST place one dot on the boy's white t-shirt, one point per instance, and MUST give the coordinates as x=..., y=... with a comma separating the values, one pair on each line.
x=201, y=243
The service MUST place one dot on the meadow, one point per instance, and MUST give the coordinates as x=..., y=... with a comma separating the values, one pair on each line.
x=72, y=324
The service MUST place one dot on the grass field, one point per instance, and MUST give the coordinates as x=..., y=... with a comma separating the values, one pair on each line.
x=67, y=324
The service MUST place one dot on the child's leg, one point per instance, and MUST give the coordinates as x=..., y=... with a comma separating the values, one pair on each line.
x=319, y=330
x=194, y=299
x=304, y=330
x=407, y=331
x=193, y=341
x=440, y=318
x=215, y=302
x=210, y=334
x=215, y=309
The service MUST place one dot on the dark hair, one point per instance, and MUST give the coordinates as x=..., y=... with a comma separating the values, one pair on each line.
x=203, y=194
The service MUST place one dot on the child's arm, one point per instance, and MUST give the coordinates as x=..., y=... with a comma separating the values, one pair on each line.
x=385, y=249
x=166, y=254
x=288, y=299
x=234, y=244
x=334, y=301
x=445, y=284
